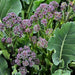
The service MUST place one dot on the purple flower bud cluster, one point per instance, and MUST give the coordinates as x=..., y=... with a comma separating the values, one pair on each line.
x=25, y=26
x=43, y=6
x=27, y=30
x=25, y=58
x=7, y=40
x=42, y=43
x=26, y=22
x=58, y=15
x=18, y=31
x=11, y=19
x=13, y=23
x=45, y=12
x=63, y=5
x=34, y=17
x=50, y=16
x=50, y=8
x=49, y=31
x=36, y=28
x=34, y=39
x=44, y=22
x=3, y=39
x=71, y=4
x=54, y=3
x=23, y=70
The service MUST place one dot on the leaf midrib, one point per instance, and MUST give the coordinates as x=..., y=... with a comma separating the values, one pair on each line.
x=63, y=43
x=62, y=46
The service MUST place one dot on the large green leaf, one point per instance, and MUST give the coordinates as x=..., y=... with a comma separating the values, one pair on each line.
x=63, y=44
x=62, y=72
x=7, y=6
x=6, y=54
x=3, y=66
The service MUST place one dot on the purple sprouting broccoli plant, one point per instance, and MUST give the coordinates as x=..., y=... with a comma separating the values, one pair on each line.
x=25, y=58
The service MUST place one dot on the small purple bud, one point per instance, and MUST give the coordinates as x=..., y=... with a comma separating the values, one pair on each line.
x=5, y=18
x=26, y=48
x=42, y=43
x=43, y=5
x=30, y=59
x=50, y=16
x=18, y=56
x=38, y=10
x=50, y=8
x=17, y=61
x=27, y=30
x=9, y=40
x=33, y=55
x=44, y=22
x=24, y=53
x=9, y=24
x=20, y=49
x=40, y=16
x=12, y=14
x=31, y=63
x=14, y=20
x=36, y=28
x=44, y=12
x=25, y=63
x=19, y=20
x=54, y=3
x=49, y=31
x=34, y=39
x=3, y=40
x=23, y=70
x=57, y=15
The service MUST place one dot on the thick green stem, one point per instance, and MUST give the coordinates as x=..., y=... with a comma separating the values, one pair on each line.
x=22, y=14
x=29, y=8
